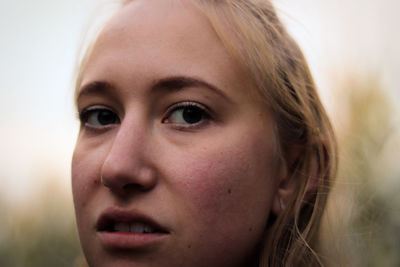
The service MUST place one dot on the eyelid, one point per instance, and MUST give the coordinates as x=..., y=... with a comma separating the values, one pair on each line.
x=85, y=112
x=184, y=104
x=207, y=113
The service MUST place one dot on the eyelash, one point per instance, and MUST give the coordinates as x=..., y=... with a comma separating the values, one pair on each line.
x=84, y=117
x=203, y=116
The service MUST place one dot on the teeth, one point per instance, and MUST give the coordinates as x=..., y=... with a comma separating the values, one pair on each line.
x=137, y=227
x=133, y=227
x=141, y=228
x=148, y=229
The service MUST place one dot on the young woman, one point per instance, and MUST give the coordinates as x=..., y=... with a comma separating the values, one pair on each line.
x=203, y=141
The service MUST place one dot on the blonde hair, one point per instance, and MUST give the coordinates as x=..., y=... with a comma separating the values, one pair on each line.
x=253, y=34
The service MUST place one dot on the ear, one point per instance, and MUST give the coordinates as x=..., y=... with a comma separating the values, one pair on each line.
x=289, y=181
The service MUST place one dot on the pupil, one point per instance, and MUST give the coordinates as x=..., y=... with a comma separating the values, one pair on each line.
x=192, y=115
x=106, y=117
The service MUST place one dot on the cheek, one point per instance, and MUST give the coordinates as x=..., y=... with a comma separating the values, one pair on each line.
x=85, y=179
x=85, y=176
x=227, y=187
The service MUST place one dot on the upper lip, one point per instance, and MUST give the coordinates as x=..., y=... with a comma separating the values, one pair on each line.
x=113, y=215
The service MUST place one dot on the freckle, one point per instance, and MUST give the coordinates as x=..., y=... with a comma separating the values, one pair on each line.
x=229, y=191
x=250, y=229
x=189, y=246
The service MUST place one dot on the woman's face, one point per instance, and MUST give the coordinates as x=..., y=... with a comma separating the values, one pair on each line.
x=175, y=164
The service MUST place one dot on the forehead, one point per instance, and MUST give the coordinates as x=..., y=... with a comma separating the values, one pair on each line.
x=157, y=20
x=153, y=39
x=165, y=29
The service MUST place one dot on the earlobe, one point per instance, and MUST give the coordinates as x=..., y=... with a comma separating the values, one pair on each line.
x=279, y=202
x=283, y=191
x=290, y=180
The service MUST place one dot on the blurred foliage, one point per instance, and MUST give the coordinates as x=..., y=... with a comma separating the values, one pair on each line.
x=377, y=215
x=41, y=233
x=361, y=227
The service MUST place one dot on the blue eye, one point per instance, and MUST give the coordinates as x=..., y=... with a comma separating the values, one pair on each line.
x=187, y=114
x=99, y=117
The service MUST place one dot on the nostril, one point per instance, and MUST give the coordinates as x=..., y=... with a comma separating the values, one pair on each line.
x=123, y=180
x=134, y=187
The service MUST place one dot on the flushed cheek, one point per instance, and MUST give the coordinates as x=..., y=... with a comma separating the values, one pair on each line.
x=222, y=188
x=83, y=179
x=85, y=185
x=85, y=175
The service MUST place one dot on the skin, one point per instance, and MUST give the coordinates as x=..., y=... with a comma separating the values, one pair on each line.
x=212, y=184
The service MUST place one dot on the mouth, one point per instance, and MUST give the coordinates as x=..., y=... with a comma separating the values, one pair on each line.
x=119, y=229
x=129, y=227
x=128, y=222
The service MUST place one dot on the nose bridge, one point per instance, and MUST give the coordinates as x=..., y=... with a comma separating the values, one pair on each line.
x=126, y=163
x=128, y=142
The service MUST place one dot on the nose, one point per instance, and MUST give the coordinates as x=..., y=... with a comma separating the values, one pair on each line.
x=128, y=165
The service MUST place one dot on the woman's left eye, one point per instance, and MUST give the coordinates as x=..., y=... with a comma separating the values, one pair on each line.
x=187, y=114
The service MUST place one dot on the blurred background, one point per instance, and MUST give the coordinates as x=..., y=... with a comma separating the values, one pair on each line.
x=353, y=51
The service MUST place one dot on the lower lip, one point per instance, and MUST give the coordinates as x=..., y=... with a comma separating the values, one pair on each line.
x=128, y=240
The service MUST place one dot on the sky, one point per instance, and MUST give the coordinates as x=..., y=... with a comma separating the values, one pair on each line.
x=40, y=41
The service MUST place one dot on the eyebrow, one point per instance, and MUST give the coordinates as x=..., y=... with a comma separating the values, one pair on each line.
x=174, y=83
x=177, y=83
x=94, y=88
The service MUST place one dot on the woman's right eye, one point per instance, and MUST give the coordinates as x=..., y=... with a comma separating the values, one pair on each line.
x=99, y=117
